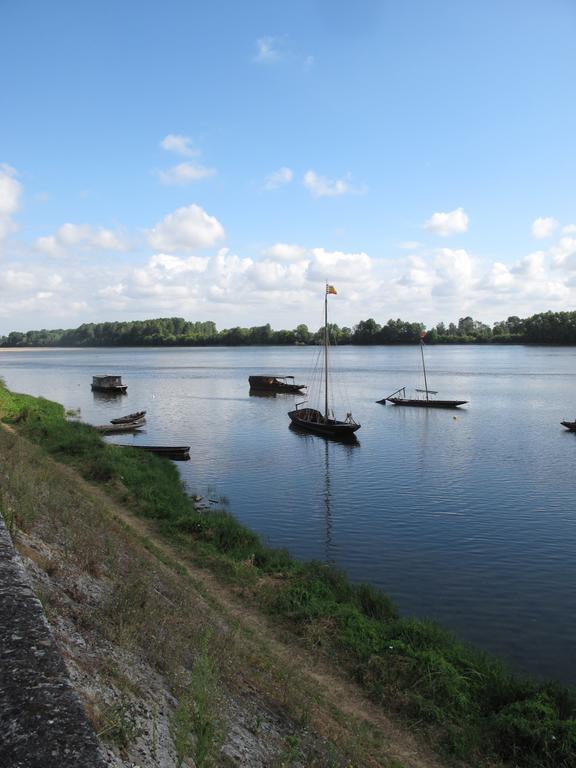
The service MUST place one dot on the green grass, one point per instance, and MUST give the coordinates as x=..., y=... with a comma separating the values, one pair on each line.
x=470, y=703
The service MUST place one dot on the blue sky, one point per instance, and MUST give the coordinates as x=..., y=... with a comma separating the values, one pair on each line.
x=221, y=160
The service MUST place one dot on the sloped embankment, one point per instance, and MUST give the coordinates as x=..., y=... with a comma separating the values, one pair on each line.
x=171, y=667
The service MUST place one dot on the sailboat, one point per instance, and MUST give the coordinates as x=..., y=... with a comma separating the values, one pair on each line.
x=399, y=397
x=313, y=420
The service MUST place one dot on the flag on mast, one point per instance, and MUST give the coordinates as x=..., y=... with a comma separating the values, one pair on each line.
x=330, y=289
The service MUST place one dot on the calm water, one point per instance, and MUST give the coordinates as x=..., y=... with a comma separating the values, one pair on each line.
x=466, y=517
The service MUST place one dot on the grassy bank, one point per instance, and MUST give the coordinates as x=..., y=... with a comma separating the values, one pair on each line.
x=469, y=704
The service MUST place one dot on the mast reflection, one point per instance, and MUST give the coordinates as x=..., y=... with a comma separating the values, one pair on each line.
x=347, y=446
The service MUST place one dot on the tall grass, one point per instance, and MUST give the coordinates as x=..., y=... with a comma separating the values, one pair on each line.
x=469, y=702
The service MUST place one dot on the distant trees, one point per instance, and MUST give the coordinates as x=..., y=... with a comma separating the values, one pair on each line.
x=543, y=328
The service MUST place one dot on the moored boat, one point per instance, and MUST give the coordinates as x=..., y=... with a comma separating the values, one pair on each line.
x=275, y=384
x=108, y=383
x=422, y=402
x=423, y=399
x=130, y=418
x=313, y=420
x=176, y=452
x=112, y=429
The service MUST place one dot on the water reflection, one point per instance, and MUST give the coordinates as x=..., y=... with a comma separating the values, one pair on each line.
x=324, y=447
x=100, y=396
x=328, y=555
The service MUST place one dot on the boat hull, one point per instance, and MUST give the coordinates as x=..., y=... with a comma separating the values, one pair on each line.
x=273, y=384
x=424, y=403
x=313, y=421
x=138, y=416
x=570, y=425
x=118, y=390
x=174, y=452
x=112, y=429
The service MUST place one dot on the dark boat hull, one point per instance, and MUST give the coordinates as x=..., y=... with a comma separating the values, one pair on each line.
x=130, y=418
x=112, y=429
x=313, y=421
x=118, y=390
x=174, y=452
x=570, y=425
x=272, y=384
x=424, y=403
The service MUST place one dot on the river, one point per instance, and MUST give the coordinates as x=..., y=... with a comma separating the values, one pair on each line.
x=467, y=517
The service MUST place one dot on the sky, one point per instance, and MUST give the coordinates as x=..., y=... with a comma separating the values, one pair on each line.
x=222, y=160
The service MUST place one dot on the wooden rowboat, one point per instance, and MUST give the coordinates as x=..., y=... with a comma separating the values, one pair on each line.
x=129, y=419
x=113, y=429
x=176, y=452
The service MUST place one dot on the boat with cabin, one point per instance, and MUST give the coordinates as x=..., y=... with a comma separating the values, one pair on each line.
x=323, y=422
x=423, y=397
x=109, y=383
x=275, y=384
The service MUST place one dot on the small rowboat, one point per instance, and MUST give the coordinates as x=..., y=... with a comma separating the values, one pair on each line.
x=570, y=425
x=130, y=418
x=112, y=429
x=175, y=452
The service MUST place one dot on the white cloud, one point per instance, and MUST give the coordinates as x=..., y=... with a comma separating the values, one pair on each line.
x=564, y=253
x=285, y=252
x=499, y=278
x=337, y=265
x=83, y=236
x=186, y=229
x=278, y=178
x=445, y=224
x=268, y=50
x=185, y=173
x=569, y=229
x=532, y=266
x=10, y=191
x=272, y=276
x=175, y=265
x=179, y=144
x=282, y=284
x=454, y=270
x=319, y=186
x=18, y=280
x=418, y=274
x=543, y=227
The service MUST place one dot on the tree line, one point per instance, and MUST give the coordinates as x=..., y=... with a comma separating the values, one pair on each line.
x=543, y=328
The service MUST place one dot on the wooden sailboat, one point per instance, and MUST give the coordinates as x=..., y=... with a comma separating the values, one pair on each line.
x=399, y=397
x=313, y=420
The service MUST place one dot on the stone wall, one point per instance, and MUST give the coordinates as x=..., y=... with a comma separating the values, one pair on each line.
x=42, y=723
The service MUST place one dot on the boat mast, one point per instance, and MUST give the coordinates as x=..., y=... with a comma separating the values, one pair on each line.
x=326, y=353
x=423, y=364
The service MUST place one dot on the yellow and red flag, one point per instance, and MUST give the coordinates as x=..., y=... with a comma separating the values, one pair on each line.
x=331, y=289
